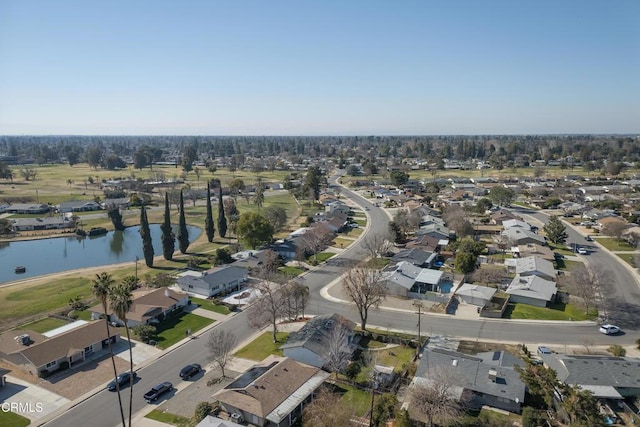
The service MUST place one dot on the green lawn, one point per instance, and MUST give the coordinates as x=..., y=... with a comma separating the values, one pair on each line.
x=168, y=418
x=565, y=264
x=209, y=305
x=629, y=259
x=561, y=249
x=614, y=244
x=341, y=243
x=556, y=312
x=321, y=257
x=263, y=346
x=354, y=232
x=45, y=325
x=10, y=419
x=361, y=222
x=172, y=329
x=358, y=400
x=84, y=315
x=291, y=271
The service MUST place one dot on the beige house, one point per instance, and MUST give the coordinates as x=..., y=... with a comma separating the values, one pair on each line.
x=148, y=307
x=271, y=393
x=62, y=348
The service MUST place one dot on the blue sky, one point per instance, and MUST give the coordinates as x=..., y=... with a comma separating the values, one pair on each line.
x=319, y=68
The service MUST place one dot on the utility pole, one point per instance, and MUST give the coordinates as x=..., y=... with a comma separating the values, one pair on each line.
x=418, y=305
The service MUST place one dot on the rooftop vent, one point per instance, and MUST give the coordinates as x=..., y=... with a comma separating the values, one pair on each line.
x=493, y=375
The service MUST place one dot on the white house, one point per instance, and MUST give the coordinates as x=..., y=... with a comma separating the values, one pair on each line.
x=532, y=290
x=212, y=282
x=79, y=206
x=313, y=342
x=406, y=277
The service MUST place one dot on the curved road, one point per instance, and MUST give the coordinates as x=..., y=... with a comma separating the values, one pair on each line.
x=100, y=409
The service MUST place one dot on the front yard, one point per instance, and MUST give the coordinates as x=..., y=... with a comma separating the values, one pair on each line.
x=263, y=346
x=615, y=244
x=167, y=418
x=559, y=311
x=173, y=329
x=10, y=419
x=210, y=305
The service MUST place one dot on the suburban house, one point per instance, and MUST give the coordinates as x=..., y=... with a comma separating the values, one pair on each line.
x=532, y=290
x=286, y=249
x=607, y=377
x=498, y=217
x=27, y=208
x=209, y=283
x=45, y=223
x=312, y=344
x=477, y=381
x=271, y=393
x=427, y=243
x=148, y=307
x=535, y=266
x=79, y=206
x=61, y=348
x=337, y=207
x=522, y=236
x=405, y=278
x=475, y=294
x=253, y=259
x=121, y=202
x=416, y=256
x=533, y=249
x=516, y=223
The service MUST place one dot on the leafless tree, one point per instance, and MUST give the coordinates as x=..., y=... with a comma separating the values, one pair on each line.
x=366, y=288
x=589, y=284
x=221, y=344
x=438, y=398
x=327, y=410
x=270, y=306
x=614, y=229
x=488, y=274
x=316, y=239
x=296, y=296
x=377, y=244
x=271, y=261
x=337, y=352
x=502, y=242
x=456, y=219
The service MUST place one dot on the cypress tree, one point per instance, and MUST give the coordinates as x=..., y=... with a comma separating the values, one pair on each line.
x=168, y=238
x=183, y=233
x=208, y=221
x=145, y=233
x=222, y=220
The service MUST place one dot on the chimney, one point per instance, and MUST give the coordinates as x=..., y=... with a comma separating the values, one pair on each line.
x=167, y=293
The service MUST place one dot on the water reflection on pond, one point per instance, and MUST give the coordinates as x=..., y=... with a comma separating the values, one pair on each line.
x=47, y=256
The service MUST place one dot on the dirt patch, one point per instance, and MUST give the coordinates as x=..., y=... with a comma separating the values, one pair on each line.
x=73, y=383
x=475, y=347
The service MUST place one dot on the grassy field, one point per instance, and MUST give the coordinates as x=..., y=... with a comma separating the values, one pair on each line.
x=263, y=346
x=615, y=244
x=629, y=259
x=339, y=242
x=173, y=329
x=10, y=419
x=209, y=305
x=358, y=400
x=45, y=325
x=556, y=312
x=168, y=418
x=321, y=257
x=291, y=271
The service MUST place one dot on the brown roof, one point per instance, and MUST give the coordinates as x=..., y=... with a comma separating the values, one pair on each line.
x=67, y=343
x=266, y=393
x=9, y=345
x=532, y=249
x=147, y=303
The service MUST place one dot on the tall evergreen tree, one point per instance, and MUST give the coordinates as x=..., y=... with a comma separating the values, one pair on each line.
x=145, y=233
x=208, y=221
x=168, y=238
x=183, y=233
x=222, y=219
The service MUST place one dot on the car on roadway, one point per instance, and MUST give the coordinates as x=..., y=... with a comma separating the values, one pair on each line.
x=588, y=239
x=544, y=350
x=157, y=391
x=609, y=329
x=583, y=251
x=122, y=380
x=189, y=371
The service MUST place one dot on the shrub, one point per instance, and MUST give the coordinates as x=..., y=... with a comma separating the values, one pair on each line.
x=530, y=417
x=617, y=350
x=202, y=410
x=73, y=314
x=44, y=373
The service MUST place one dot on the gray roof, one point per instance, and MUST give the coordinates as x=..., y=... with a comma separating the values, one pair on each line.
x=501, y=358
x=511, y=223
x=532, y=287
x=473, y=372
x=532, y=264
x=42, y=221
x=314, y=334
x=406, y=275
x=476, y=291
x=78, y=204
x=594, y=370
x=515, y=234
x=414, y=256
x=218, y=275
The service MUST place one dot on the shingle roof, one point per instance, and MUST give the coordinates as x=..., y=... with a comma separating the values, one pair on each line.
x=148, y=304
x=534, y=264
x=217, y=275
x=594, y=370
x=476, y=291
x=473, y=373
x=314, y=334
x=415, y=256
x=532, y=287
x=278, y=378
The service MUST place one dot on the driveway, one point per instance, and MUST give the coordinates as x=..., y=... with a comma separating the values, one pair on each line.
x=141, y=352
x=30, y=400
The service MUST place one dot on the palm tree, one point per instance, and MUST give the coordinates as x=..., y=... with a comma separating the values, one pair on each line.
x=121, y=301
x=101, y=287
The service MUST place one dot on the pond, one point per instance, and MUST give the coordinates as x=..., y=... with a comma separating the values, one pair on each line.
x=46, y=256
